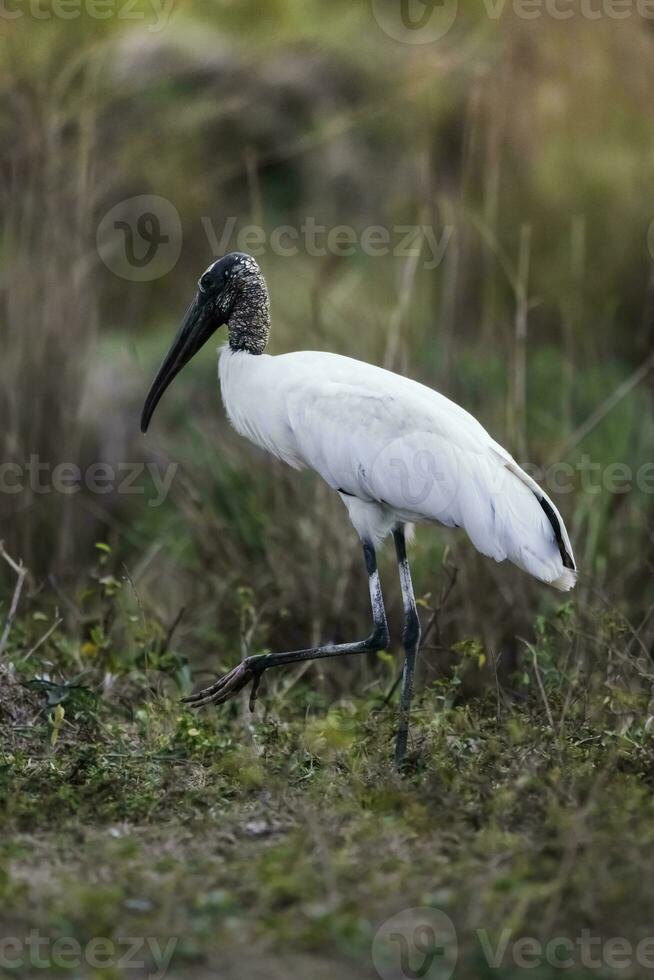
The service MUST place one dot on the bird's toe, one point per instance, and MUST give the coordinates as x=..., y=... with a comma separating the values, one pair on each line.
x=223, y=689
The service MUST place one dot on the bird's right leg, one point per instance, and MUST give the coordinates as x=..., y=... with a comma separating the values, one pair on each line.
x=251, y=669
x=411, y=641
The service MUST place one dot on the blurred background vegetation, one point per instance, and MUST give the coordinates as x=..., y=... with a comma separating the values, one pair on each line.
x=530, y=142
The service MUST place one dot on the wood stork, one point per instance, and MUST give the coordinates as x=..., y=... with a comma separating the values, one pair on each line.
x=394, y=450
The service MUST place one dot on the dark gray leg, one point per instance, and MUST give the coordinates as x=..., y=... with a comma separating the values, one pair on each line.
x=251, y=669
x=411, y=643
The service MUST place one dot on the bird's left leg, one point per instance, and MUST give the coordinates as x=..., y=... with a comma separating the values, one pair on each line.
x=410, y=640
x=251, y=669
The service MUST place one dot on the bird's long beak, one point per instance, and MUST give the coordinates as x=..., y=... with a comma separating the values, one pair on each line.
x=200, y=322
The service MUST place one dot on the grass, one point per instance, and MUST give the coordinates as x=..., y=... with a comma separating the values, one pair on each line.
x=525, y=811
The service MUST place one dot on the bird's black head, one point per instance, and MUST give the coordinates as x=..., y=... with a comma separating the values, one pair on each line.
x=231, y=291
x=218, y=287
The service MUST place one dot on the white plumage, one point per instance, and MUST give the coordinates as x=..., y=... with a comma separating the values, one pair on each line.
x=396, y=451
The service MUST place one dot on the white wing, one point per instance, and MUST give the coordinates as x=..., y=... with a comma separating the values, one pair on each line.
x=396, y=444
x=385, y=439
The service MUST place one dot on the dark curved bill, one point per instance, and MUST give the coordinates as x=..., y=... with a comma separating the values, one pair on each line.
x=198, y=325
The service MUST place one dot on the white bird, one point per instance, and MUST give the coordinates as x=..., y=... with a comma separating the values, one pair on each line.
x=395, y=451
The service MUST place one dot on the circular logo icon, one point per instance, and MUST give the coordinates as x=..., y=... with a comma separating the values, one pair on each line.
x=415, y=21
x=140, y=239
x=416, y=944
x=418, y=473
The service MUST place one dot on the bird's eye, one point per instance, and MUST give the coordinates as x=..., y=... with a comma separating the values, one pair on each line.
x=206, y=283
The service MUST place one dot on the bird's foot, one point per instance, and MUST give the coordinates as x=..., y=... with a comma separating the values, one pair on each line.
x=228, y=686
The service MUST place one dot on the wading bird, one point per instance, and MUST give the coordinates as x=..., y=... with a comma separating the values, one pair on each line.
x=394, y=450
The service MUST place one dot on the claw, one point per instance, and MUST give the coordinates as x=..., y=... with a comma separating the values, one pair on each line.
x=229, y=685
x=207, y=691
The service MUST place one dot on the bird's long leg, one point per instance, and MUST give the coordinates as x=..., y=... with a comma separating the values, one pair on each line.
x=411, y=643
x=251, y=669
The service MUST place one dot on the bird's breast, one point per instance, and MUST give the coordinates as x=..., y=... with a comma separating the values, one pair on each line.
x=254, y=402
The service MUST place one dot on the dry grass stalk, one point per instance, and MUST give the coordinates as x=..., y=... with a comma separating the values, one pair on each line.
x=21, y=573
